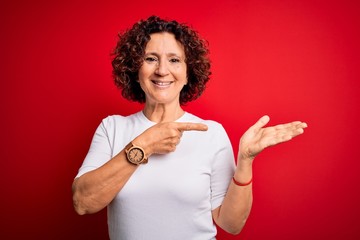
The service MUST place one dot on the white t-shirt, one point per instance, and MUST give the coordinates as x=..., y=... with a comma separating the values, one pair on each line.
x=170, y=197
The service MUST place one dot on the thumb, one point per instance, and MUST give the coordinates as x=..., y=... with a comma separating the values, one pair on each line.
x=261, y=122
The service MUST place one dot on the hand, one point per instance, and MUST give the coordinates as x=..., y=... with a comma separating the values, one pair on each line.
x=164, y=137
x=257, y=137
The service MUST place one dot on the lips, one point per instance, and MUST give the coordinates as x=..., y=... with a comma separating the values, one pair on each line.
x=162, y=84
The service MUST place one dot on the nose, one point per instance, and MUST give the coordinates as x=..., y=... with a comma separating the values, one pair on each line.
x=162, y=68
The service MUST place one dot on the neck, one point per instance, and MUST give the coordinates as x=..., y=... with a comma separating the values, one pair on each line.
x=163, y=113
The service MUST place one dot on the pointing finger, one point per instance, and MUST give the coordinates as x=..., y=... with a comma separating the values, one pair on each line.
x=188, y=126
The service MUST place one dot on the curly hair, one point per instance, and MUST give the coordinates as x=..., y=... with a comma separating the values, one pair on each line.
x=129, y=57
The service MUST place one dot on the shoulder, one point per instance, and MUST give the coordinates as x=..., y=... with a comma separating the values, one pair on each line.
x=112, y=121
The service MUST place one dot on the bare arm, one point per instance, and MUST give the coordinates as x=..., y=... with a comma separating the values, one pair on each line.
x=96, y=189
x=234, y=211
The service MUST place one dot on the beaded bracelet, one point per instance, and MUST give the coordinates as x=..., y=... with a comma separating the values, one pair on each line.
x=241, y=184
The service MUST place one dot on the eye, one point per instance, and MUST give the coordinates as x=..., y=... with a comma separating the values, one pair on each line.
x=150, y=59
x=174, y=60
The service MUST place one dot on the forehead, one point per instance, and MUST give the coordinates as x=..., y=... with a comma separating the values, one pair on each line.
x=164, y=43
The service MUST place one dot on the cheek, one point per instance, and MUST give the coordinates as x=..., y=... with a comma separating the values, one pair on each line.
x=143, y=74
x=142, y=83
x=140, y=79
x=181, y=74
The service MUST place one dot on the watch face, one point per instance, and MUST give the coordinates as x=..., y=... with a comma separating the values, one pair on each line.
x=136, y=155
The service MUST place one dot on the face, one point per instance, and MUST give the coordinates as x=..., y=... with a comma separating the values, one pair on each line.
x=163, y=73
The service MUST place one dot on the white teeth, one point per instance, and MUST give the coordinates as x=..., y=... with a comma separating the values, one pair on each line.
x=162, y=83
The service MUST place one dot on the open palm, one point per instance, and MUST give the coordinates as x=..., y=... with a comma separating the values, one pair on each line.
x=258, y=137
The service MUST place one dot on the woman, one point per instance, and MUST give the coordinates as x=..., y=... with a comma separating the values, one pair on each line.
x=164, y=173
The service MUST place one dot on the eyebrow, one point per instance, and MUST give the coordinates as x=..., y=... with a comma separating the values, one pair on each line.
x=168, y=54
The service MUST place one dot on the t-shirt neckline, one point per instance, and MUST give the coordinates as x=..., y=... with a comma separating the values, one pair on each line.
x=143, y=118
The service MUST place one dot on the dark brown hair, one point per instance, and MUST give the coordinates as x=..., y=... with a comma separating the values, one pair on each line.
x=130, y=50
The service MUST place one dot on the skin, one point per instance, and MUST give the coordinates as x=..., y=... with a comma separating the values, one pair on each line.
x=162, y=76
x=235, y=209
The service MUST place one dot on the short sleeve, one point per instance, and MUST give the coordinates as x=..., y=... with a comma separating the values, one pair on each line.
x=100, y=149
x=223, y=168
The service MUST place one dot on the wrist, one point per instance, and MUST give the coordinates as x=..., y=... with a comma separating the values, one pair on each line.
x=243, y=177
x=245, y=163
x=138, y=142
x=245, y=157
x=244, y=172
x=242, y=184
x=135, y=154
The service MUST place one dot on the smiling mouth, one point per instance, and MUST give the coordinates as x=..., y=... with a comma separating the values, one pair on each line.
x=162, y=84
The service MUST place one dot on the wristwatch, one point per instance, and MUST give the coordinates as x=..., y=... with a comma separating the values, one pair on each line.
x=135, y=154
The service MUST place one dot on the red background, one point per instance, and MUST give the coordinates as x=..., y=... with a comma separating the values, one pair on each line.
x=292, y=60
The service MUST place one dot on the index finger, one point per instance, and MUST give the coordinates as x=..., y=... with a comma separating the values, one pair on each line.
x=188, y=126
